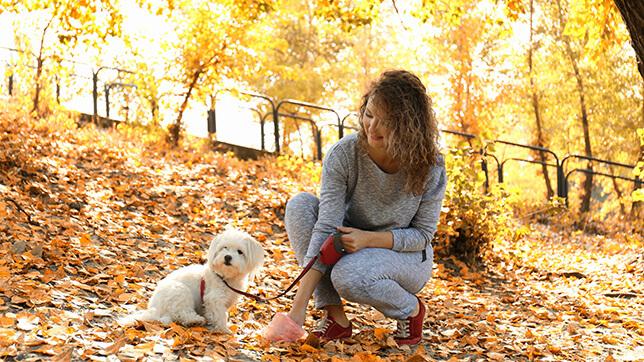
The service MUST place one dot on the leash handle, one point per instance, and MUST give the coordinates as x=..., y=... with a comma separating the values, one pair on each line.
x=260, y=299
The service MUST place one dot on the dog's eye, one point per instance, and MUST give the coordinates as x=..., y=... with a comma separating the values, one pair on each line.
x=240, y=252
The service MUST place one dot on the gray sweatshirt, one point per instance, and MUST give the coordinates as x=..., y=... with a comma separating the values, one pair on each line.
x=355, y=192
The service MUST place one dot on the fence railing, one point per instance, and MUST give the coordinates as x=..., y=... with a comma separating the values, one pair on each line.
x=562, y=173
x=558, y=163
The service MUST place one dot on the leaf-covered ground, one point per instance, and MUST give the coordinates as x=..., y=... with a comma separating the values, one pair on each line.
x=90, y=220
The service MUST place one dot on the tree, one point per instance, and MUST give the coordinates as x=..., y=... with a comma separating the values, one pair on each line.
x=633, y=14
x=213, y=43
x=468, y=54
x=581, y=91
x=534, y=90
x=71, y=23
x=308, y=53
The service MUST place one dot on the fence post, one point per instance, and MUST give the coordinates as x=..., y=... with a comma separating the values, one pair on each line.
x=276, y=124
x=484, y=168
x=95, y=93
x=318, y=134
x=11, y=84
x=562, y=190
x=212, y=120
x=107, y=101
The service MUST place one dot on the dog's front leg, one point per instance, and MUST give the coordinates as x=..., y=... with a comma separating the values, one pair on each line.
x=216, y=315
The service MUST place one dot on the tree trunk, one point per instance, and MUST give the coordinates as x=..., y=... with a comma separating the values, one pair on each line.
x=535, y=105
x=638, y=206
x=37, y=83
x=588, y=182
x=618, y=190
x=39, y=67
x=633, y=14
x=175, y=128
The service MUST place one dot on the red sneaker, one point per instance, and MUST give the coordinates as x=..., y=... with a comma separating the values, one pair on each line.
x=410, y=330
x=328, y=329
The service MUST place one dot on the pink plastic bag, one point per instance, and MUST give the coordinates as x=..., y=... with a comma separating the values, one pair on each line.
x=282, y=328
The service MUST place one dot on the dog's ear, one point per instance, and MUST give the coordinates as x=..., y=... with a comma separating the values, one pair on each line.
x=254, y=253
x=215, y=246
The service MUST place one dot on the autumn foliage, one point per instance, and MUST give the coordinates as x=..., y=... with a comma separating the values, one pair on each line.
x=91, y=219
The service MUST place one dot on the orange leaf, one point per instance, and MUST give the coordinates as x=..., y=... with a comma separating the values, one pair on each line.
x=308, y=348
x=85, y=240
x=268, y=357
x=380, y=333
x=6, y=321
x=65, y=355
x=495, y=355
x=114, y=347
x=610, y=339
x=554, y=349
x=416, y=358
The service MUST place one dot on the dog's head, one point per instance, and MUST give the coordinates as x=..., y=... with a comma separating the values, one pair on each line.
x=235, y=254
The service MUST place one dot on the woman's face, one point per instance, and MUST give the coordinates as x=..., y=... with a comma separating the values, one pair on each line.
x=376, y=132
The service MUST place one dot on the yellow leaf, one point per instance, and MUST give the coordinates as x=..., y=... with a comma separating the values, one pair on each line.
x=145, y=347
x=610, y=339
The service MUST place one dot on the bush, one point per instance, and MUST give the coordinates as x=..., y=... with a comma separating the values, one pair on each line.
x=472, y=216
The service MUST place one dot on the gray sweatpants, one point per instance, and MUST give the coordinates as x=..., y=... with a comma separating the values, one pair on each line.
x=382, y=278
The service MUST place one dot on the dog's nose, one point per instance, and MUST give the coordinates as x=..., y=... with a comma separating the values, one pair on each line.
x=227, y=259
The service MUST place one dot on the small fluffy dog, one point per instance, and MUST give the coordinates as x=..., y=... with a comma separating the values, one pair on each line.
x=196, y=294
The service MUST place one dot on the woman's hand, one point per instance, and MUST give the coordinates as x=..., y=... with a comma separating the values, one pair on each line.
x=355, y=239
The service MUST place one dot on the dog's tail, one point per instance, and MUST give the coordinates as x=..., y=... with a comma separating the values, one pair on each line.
x=133, y=319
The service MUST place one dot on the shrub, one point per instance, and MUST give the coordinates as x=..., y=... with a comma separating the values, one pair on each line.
x=473, y=216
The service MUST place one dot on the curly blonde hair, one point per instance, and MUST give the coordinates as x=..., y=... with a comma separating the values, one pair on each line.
x=410, y=119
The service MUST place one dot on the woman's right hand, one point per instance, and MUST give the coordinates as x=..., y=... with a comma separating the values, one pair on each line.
x=355, y=239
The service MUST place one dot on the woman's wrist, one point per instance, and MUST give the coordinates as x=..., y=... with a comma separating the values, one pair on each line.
x=381, y=239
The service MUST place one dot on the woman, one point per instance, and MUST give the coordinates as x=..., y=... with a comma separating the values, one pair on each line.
x=383, y=187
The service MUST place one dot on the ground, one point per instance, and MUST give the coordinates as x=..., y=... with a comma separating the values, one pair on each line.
x=91, y=219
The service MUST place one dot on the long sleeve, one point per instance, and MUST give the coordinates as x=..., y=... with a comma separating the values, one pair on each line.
x=425, y=223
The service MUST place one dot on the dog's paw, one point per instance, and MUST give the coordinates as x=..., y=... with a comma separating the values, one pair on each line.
x=196, y=322
x=218, y=328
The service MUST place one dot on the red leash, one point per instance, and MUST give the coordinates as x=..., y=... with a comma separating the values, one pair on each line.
x=329, y=253
x=256, y=297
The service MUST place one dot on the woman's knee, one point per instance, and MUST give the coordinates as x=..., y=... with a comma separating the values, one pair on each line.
x=349, y=281
x=301, y=202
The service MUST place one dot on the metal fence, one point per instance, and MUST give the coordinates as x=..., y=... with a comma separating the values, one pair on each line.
x=559, y=164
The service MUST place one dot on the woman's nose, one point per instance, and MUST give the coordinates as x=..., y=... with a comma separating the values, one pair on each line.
x=374, y=123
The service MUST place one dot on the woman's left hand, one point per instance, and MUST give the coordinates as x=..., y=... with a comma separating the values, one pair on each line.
x=356, y=239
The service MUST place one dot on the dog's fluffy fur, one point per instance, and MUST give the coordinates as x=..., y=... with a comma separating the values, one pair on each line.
x=234, y=256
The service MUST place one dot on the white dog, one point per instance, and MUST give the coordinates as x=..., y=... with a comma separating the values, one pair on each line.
x=197, y=294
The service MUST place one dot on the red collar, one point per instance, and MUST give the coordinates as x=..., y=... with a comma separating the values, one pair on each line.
x=203, y=286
